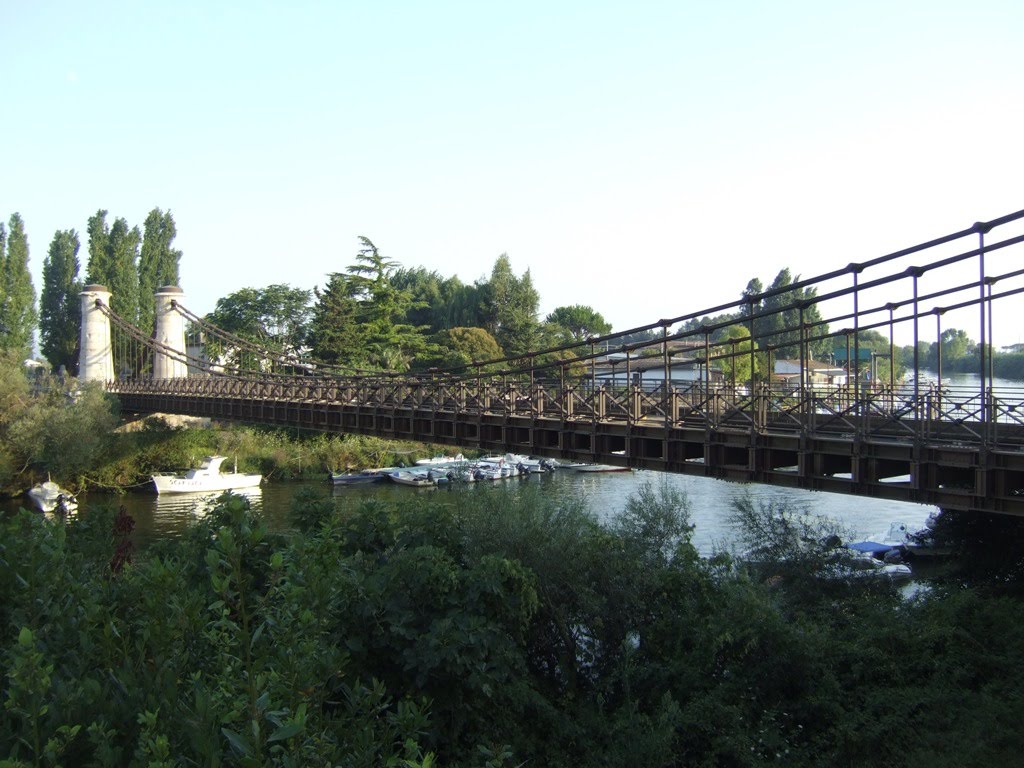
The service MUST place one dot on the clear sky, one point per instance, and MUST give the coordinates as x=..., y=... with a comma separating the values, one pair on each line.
x=643, y=158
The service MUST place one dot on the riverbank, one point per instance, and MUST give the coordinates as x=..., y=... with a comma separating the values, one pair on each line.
x=119, y=457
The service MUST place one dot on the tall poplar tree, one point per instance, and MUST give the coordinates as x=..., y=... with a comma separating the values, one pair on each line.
x=18, y=308
x=3, y=262
x=158, y=263
x=781, y=329
x=97, y=271
x=60, y=308
x=123, y=278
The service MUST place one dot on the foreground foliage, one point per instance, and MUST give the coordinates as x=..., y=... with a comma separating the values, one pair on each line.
x=491, y=630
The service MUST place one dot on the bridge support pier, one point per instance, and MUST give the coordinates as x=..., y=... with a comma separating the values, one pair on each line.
x=170, y=331
x=96, y=359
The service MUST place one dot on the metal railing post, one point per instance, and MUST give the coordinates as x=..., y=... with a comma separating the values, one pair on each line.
x=981, y=228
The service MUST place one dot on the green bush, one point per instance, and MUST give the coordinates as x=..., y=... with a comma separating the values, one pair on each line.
x=493, y=629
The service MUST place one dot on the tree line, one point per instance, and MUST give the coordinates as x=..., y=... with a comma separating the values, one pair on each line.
x=376, y=314
x=131, y=262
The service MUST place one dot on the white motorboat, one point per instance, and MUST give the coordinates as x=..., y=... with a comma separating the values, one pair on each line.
x=207, y=477
x=50, y=497
x=415, y=479
x=440, y=461
x=498, y=467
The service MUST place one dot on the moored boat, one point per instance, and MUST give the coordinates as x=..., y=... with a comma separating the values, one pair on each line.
x=414, y=479
x=50, y=497
x=498, y=467
x=207, y=477
x=439, y=461
x=862, y=565
x=357, y=478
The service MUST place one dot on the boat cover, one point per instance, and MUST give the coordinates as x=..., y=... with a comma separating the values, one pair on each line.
x=873, y=548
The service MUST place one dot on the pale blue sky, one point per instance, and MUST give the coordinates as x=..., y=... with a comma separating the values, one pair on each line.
x=645, y=158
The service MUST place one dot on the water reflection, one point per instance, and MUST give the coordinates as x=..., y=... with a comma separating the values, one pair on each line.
x=169, y=514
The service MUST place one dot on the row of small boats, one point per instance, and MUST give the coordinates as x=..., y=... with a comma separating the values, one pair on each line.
x=208, y=477
x=440, y=470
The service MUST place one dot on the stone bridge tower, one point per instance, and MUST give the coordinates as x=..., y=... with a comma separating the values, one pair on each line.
x=170, y=331
x=96, y=359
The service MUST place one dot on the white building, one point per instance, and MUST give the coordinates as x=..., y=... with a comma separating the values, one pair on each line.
x=819, y=375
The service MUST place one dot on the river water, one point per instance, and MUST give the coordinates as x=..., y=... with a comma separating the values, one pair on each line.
x=605, y=494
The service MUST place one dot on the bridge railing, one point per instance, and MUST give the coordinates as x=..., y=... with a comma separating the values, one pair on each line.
x=936, y=415
x=808, y=356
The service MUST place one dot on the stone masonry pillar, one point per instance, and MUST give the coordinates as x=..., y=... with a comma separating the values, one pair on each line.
x=96, y=359
x=170, y=331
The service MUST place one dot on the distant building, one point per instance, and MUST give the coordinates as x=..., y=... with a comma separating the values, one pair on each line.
x=649, y=372
x=788, y=373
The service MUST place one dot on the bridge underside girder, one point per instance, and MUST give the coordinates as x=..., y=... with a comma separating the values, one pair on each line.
x=951, y=476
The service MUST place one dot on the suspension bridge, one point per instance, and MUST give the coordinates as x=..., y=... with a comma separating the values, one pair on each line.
x=809, y=404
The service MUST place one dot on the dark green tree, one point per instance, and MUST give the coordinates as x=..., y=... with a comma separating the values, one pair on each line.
x=956, y=344
x=335, y=333
x=577, y=323
x=426, y=288
x=60, y=310
x=276, y=317
x=18, y=308
x=123, y=278
x=509, y=306
x=439, y=303
x=460, y=347
x=366, y=295
x=97, y=270
x=158, y=263
x=460, y=307
x=778, y=318
x=113, y=262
